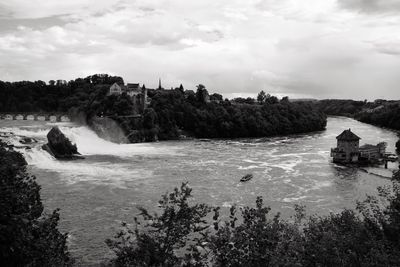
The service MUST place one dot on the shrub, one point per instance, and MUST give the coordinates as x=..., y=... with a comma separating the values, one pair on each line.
x=28, y=237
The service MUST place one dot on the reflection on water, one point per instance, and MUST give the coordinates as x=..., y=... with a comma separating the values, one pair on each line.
x=97, y=193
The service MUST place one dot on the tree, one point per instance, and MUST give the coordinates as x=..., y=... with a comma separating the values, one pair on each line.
x=202, y=95
x=368, y=236
x=149, y=118
x=165, y=234
x=261, y=97
x=28, y=237
x=285, y=99
x=216, y=97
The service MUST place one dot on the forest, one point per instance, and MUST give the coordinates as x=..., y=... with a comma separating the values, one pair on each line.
x=172, y=113
x=191, y=115
x=383, y=113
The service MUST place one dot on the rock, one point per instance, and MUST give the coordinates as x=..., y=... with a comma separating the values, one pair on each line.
x=59, y=146
x=27, y=140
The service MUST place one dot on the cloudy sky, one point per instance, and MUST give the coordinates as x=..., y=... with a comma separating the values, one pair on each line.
x=308, y=48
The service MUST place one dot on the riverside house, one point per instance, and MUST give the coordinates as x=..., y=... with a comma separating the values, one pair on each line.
x=348, y=150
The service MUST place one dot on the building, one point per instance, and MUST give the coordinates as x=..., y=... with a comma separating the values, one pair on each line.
x=347, y=150
x=373, y=153
x=133, y=89
x=116, y=89
x=138, y=94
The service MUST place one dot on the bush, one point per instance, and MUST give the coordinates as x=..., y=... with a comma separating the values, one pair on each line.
x=28, y=237
x=180, y=236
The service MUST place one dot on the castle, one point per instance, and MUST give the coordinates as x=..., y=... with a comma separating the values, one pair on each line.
x=137, y=93
x=348, y=150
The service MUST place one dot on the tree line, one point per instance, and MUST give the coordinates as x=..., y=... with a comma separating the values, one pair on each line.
x=39, y=96
x=380, y=112
x=177, y=112
x=171, y=114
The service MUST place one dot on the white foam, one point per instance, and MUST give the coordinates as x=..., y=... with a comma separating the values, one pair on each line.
x=89, y=143
x=293, y=199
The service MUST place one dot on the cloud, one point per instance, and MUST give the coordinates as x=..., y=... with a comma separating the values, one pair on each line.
x=11, y=24
x=34, y=9
x=234, y=47
x=389, y=47
x=371, y=6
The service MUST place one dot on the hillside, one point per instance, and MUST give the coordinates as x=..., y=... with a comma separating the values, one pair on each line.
x=382, y=113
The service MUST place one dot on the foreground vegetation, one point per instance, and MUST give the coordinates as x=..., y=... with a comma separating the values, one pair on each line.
x=28, y=236
x=182, y=235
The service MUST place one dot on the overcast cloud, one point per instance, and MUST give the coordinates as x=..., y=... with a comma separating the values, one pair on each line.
x=313, y=48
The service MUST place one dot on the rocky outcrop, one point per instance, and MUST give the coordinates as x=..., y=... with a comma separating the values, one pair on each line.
x=60, y=147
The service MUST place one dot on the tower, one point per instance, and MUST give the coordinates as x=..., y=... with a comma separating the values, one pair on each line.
x=347, y=149
x=159, y=84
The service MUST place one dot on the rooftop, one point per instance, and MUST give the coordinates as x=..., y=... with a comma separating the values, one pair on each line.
x=132, y=85
x=348, y=135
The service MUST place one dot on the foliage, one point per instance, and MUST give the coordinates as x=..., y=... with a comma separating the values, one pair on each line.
x=171, y=113
x=166, y=233
x=369, y=236
x=339, y=107
x=28, y=237
x=176, y=113
x=25, y=96
x=385, y=116
x=261, y=97
x=380, y=112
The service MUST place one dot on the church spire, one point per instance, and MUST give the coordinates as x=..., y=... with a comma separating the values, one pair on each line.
x=159, y=83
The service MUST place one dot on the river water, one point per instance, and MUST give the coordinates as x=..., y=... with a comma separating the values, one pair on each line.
x=97, y=193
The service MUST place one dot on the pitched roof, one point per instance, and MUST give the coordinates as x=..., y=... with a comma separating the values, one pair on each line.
x=348, y=135
x=133, y=86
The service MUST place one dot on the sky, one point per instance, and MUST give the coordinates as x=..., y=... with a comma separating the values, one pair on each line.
x=302, y=49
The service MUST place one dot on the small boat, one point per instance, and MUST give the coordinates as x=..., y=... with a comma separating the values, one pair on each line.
x=246, y=178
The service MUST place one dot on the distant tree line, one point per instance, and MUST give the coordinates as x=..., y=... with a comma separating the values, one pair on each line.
x=171, y=114
x=39, y=96
x=179, y=112
x=379, y=112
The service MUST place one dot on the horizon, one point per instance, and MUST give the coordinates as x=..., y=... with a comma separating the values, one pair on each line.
x=232, y=95
x=335, y=49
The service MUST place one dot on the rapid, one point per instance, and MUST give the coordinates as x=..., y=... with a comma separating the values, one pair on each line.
x=97, y=193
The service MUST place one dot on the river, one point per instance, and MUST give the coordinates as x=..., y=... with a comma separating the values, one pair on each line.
x=97, y=193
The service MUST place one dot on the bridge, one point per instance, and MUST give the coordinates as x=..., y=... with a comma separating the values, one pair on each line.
x=38, y=116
